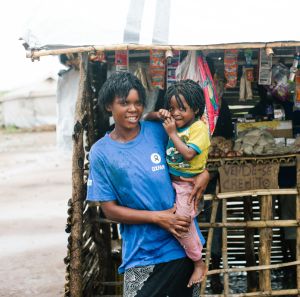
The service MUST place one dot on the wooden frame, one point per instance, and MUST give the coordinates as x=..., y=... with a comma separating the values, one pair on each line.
x=80, y=276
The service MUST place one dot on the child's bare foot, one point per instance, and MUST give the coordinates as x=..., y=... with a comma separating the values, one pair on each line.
x=200, y=270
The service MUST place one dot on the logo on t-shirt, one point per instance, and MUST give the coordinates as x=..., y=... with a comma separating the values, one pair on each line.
x=155, y=158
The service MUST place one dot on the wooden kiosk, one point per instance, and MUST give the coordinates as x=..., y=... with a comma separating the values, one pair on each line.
x=91, y=264
x=91, y=259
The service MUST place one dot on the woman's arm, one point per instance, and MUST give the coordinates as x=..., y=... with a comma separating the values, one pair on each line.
x=166, y=219
x=160, y=115
x=152, y=116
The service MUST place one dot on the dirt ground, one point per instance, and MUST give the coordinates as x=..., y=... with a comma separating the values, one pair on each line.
x=35, y=185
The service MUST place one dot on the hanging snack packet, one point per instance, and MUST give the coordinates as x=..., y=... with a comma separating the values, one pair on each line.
x=121, y=60
x=157, y=68
x=249, y=73
x=230, y=68
x=172, y=64
x=294, y=67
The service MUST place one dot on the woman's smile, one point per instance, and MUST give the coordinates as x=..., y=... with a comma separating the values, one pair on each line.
x=133, y=119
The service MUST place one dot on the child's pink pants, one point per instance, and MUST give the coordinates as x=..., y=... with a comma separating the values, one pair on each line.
x=190, y=241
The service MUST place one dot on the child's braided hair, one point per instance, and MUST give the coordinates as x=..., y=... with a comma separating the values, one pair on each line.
x=192, y=93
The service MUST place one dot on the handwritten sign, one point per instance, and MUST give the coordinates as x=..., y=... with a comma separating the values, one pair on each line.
x=234, y=178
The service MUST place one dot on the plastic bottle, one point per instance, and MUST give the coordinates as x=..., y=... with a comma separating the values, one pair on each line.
x=294, y=67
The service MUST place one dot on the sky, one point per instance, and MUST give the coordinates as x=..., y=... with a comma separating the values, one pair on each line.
x=15, y=69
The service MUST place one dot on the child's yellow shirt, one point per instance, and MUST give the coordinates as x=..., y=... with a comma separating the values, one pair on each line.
x=195, y=136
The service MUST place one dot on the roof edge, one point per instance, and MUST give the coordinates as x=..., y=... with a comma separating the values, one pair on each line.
x=37, y=53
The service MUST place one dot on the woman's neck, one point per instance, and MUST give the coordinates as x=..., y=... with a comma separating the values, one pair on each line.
x=124, y=135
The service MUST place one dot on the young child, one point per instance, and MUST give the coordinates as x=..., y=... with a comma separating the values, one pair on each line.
x=186, y=154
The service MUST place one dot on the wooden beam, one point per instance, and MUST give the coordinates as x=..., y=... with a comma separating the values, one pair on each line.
x=253, y=224
x=259, y=294
x=35, y=54
x=258, y=192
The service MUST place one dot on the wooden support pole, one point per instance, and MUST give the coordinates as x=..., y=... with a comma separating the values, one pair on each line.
x=298, y=219
x=215, y=204
x=249, y=245
x=265, y=245
x=224, y=248
x=78, y=189
x=232, y=224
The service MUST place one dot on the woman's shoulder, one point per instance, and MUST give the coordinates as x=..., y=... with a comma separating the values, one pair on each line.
x=100, y=145
x=155, y=129
x=153, y=126
x=150, y=123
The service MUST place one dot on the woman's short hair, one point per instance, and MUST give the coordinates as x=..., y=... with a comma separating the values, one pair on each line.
x=119, y=84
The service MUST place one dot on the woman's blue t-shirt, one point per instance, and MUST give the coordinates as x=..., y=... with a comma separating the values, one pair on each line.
x=136, y=175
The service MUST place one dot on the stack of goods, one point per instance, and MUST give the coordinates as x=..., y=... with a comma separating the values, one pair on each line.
x=221, y=148
x=261, y=142
x=254, y=142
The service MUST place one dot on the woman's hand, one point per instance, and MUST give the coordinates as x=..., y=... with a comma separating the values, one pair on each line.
x=200, y=183
x=167, y=219
x=172, y=222
x=164, y=114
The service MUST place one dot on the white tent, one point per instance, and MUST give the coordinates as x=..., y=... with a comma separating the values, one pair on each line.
x=31, y=106
x=61, y=24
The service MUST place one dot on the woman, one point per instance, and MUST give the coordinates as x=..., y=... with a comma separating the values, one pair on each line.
x=129, y=175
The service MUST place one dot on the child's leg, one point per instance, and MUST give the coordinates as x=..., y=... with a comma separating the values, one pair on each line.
x=190, y=241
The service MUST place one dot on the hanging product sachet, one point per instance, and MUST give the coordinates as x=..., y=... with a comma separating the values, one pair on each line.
x=157, y=68
x=230, y=67
x=246, y=78
x=265, y=68
x=121, y=60
x=172, y=63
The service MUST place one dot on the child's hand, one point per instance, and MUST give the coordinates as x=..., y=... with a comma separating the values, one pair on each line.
x=204, y=119
x=170, y=126
x=164, y=114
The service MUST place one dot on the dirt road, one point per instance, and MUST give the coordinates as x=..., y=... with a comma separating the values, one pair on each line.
x=35, y=184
